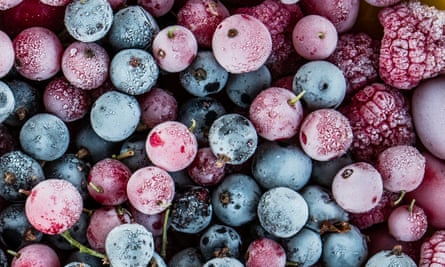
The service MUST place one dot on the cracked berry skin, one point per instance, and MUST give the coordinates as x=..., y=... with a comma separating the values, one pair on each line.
x=432, y=250
x=380, y=118
x=413, y=44
x=357, y=56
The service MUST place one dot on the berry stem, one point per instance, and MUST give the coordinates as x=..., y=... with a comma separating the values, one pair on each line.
x=164, y=234
x=82, y=248
x=96, y=188
x=127, y=154
x=193, y=126
x=401, y=196
x=297, y=98
x=13, y=253
x=82, y=153
x=411, y=206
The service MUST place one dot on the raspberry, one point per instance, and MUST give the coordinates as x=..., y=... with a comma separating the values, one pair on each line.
x=357, y=55
x=378, y=214
x=279, y=20
x=432, y=250
x=413, y=44
x=380, y=118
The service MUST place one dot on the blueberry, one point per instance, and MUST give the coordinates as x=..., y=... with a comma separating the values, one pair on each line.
x=223, y=262
x=321, y=207
x=77, y=231
x=235, y=199
x=304, y=248
x=88, y=21
x=347, y=248
x=278, y=164
x=282, y=211
x=115, y=116
x=45, y=137
x=7, y=101
x=190, y=257
x=204, y=76
x=220, y=240
x=133, y=27
x=242, y=88
x=27, y=102
x=204, y=111
x=388, y=258
x=323, y=82
x=133, y=71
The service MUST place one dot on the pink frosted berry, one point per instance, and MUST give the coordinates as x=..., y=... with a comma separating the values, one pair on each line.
x=7, y=54
x=55, y=2
x=325, y=134
x=265, y=252
x=376, y=215
x=382, y=3
x=7, y=4
x=276, y=113
x=407, y=223
x=380, y=118
x=157, y=8
x=357, y=55
x=342, y=13
x=202, y=17
x=357, y=187
x=402, y=168
x=413, y=44
x=85, y=65
x=171, y=146
x=37, y=53
x=174, y=48
x=241, y=43
x=432, y=250
x=314, y=37
x=66, y=101
x=36, y=255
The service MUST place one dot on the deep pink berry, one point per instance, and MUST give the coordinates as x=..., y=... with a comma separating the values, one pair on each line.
x=407, y=223
x=205, y=169
x=38, y=51
x=380, y=117
x=157, y=105
x=265, y=252
x=413, y=45
x=432, y=251
x=357, y=55
x=201, y=17
x=157, y=8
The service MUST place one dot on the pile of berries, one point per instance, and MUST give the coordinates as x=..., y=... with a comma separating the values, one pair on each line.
x=222, y=133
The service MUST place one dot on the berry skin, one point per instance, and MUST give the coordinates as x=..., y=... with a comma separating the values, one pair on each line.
x=85, y=65
x=382, y=3
x=37, y=53
x=380, y=117
x=202, y=17
x=357, y=56
x=157, y=105
x=157, y=8
x=7, y=56
x=7, y=4
x=389, y=258
x=7, y=103
x=314, y=37
x=204, y=169
x=36, y=255
x=413, y=45
x=241, y=43
x=407, y=223
x=325, y=134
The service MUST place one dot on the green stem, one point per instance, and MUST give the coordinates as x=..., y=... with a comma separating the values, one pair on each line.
x=297, y=98
x=82, y=248
x=402, y=195
x=164, y=234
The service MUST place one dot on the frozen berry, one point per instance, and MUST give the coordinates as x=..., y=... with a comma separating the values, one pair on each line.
x=7, y=101
x=382, y=3
x=7, y=4
x=241, y=43
x=380, y=117
x=413, y=45
x=407, y=223
x=432, y=250
x=7, y=56
x=314, y=37
x=357, y=56
x=157, y=8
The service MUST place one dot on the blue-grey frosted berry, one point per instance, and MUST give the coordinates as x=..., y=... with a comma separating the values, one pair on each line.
x=133, y=27
x=244, y=87
x=157, y=260
x=223, y=262
x=344, y=249
x=88, y=21
x=304, y=248
x=7, y=101
x=27, y=102
x=115, y=116
x=282, y=211
x=278, y=164
x=44, y=137
x=235, y=199
x=390, y=258
x=133, y=71
x=321, y=207
x=204, y=76
x=323, y=82
x=220, y=240
x=323, y=172
x=233, y=138
x=190, y=257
